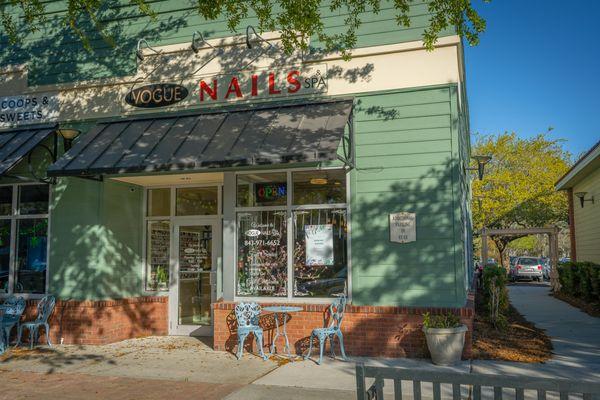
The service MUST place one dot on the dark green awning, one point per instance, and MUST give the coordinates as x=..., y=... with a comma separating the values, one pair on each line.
x=274, y=135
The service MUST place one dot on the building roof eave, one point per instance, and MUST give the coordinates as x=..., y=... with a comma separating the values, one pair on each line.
x=575, y=174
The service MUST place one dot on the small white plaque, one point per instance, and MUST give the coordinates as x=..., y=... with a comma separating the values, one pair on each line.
x=403, y=227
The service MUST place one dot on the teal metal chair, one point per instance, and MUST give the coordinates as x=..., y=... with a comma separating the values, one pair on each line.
x=3, y=344
x=331, y=331
x=13, y=308
x=44, y=309
x=247, y=320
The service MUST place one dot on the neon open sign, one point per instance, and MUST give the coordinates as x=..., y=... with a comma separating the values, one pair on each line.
x=270, y=191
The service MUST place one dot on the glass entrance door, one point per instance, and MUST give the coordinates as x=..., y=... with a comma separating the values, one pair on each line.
x=195, y=248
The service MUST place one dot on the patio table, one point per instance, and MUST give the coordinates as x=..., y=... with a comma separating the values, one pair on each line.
x=283, y=311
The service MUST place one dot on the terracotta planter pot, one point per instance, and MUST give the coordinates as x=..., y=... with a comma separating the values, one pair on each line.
x=445, y=344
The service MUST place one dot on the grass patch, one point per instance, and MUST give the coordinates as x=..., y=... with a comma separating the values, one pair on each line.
x=521, y=341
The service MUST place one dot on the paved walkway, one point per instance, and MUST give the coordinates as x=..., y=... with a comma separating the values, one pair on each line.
x=575, y=336
x=185, y=368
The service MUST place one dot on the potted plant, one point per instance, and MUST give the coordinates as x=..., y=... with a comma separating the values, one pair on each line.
x=162, y=276
x=445, y=337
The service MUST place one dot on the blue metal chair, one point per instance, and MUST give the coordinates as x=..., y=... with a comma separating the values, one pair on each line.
x=247, y=320
x=336, y=314
x=3, y=344
x=13, y=309
x=44, y=309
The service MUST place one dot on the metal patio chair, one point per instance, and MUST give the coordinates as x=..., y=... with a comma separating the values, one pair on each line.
x=336, y=314
x=247, y=320
x=3, y=344
x=44, y=310
x=13, y=308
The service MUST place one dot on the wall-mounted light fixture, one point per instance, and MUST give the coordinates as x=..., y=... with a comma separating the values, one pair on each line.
x=249, y=40
x=582, y=199
x=197, y=42
x=481, y=161
x=139, y=53
x=318, y=181
x=68, y=135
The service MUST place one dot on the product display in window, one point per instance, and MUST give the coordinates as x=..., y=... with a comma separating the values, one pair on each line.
x=262, y=253
x=320, y=252
x=157, y=255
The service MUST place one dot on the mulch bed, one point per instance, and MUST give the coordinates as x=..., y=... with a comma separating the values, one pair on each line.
x=592, y=309
x=521, y=341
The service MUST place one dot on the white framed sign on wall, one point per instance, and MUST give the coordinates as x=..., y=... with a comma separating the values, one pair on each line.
x=403, y=227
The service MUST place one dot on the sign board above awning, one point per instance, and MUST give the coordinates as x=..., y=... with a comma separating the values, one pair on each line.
x=258, y=136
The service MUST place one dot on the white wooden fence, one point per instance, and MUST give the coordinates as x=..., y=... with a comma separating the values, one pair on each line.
x=469, y=386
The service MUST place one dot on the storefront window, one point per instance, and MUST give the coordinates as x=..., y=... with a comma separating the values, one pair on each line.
x=4, y=254
x=6, y=200
x=319, y=187
x=197, y=201
x=32, y=245
x=26, y=222
x=33, y=199
x=318, y=262
x=320, y=252
x=262, y=253
x=260, y=190
x=159, y=202
x=189, y=201
x=157, y=255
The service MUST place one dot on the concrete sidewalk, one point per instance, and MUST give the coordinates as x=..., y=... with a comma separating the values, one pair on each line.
x=575, y=336
x=186, y=368
x=334, y=379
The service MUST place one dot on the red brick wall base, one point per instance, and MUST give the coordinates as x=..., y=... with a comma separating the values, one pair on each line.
x=374, y=331
x=106, y=321
x=368, y=330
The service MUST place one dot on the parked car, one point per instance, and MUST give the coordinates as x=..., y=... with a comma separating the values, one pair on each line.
x=526, y=268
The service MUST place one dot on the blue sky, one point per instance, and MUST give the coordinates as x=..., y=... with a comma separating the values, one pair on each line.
x=537, y=65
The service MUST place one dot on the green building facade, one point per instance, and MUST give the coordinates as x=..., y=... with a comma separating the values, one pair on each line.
x=118, y=222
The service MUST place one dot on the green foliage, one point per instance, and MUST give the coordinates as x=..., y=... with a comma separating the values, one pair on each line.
x=527, y=245
x=297, y=21
x=448, y=320
x=496, y=295
x=517, y=190
x=162, y=274
x=580, y=279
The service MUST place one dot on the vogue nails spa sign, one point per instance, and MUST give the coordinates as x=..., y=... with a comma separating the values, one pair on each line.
x=226, y=88
x=157, y=95
x=261, y=84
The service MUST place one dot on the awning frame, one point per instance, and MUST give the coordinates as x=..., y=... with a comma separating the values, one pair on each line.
x=53, y=152
x=348, y=145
